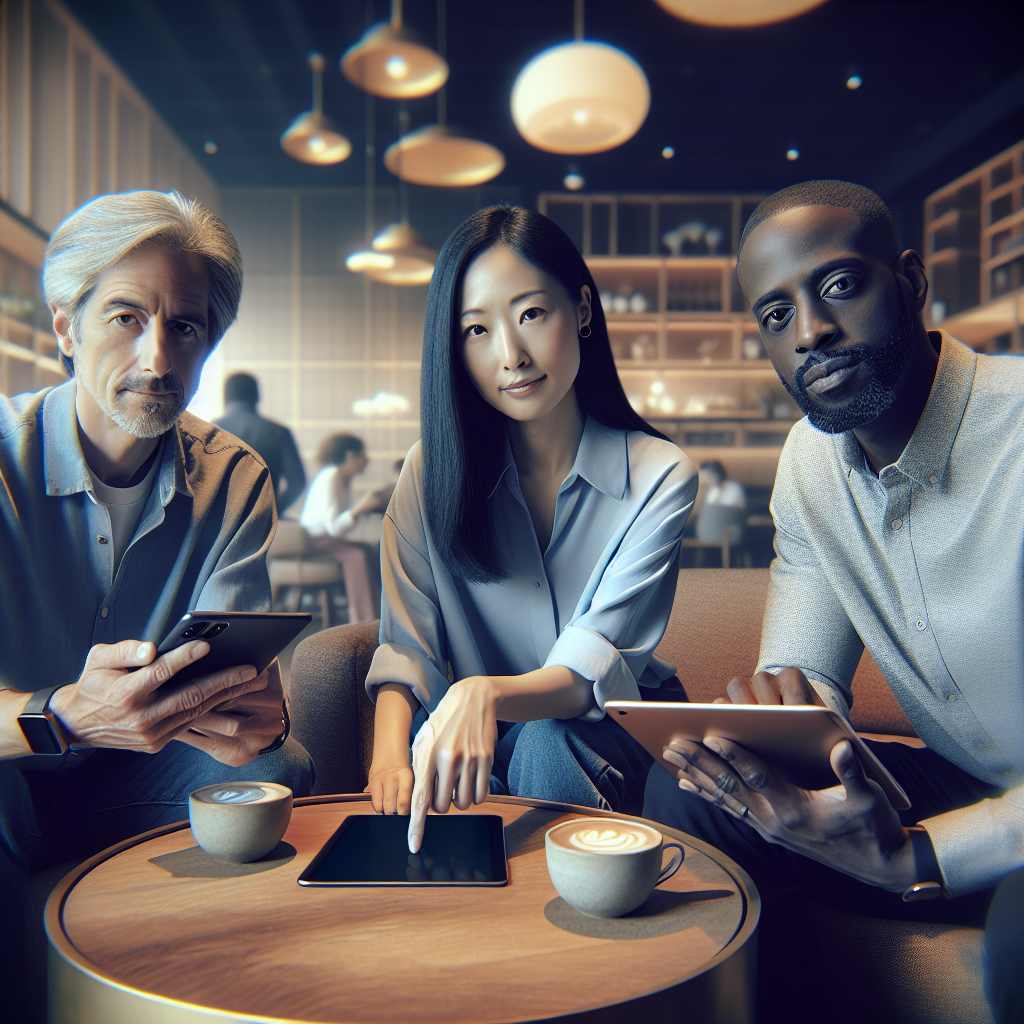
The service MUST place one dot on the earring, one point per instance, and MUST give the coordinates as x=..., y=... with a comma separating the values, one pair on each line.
x=800, y=350
x=585, y=328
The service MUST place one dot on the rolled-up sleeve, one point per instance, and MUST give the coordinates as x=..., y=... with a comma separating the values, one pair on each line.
x=612, y=640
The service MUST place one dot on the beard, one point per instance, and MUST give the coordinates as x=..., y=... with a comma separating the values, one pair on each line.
x=885, y=366
x=153, y=418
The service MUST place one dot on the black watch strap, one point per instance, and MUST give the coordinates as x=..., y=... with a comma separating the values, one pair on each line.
x=927, y=868
x=41, y=727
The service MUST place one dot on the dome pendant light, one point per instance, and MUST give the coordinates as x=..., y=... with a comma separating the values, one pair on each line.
x=737, y=13
x=439, y=155
x=580, y=97
x=389, y=61
x=312, y=138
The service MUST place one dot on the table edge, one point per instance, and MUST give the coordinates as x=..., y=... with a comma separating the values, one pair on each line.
x=61, y=944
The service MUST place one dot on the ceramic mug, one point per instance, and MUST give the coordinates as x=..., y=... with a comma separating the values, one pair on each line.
x=606, y=867
x=239, y=821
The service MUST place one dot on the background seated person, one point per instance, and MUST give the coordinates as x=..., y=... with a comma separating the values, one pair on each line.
x=899, y=525
x=531, y=544
x=329, y=516
x=724, y=506
x=273, y=442
x=119, y=512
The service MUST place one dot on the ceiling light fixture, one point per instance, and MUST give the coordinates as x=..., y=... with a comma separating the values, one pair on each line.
x=391, y=62
x=574, y=181
x=312, y=138
x=439, y=155
x=737, y=13
x=580, y=97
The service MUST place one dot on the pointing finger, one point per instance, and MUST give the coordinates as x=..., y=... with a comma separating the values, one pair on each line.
x=423, y=768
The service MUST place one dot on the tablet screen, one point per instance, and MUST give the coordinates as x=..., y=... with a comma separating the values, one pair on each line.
x=372, y=849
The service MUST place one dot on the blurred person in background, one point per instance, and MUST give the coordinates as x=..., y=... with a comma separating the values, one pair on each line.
x=723, y=507
x=329, y=516
x=273, y=441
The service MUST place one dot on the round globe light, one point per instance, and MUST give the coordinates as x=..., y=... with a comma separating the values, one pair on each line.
x=737, y=13
x=573, y=181
x=390, y=61
x=580, y=97
x=439, y=156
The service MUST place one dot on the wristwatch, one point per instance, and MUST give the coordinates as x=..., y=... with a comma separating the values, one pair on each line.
x=42, y=728
x=926, y=866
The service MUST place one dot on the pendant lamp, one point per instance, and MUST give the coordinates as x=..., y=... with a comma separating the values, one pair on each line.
x=737, y=13
x=312, y=137
x=580, y=97
x=412, y=262
x=390, y=61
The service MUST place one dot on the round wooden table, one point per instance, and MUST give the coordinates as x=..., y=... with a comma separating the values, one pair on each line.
x=155, y=930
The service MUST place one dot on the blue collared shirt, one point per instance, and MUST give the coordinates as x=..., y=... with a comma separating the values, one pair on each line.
x=201, y=541
x=596, y=600
x=923, y=564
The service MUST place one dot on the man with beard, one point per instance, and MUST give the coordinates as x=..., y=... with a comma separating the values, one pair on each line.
x=899, y=526
x=119, y=511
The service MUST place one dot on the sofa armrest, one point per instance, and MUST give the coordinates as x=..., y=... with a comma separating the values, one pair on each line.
x=331, y=715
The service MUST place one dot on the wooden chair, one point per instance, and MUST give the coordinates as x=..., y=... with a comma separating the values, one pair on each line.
x=293, y=564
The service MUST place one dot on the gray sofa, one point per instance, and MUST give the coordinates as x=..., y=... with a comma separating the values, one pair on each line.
x=880, y=970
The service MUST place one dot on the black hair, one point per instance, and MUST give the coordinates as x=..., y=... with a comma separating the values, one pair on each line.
x=716, y=467
x=826, y=192
x=333, y=450
x=241, y=387
x=463, y=436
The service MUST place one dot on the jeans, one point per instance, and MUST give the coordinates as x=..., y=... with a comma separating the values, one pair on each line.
x=934, y=786
x=593, y=764
x=73, y=812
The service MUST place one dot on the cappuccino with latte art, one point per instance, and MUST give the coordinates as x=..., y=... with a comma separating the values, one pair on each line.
x=613, y=839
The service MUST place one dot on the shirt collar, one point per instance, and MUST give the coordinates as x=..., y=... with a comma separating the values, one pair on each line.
x=602, y=459
x=926, y=457
x=64, y=465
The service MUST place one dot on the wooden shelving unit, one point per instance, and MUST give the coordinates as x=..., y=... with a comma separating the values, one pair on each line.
x=28, y=358
x=974, y=252
x=685, y=342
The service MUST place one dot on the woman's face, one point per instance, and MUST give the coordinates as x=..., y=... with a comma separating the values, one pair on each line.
x=519, y=334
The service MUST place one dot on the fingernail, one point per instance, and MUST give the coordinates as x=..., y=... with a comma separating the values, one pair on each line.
x=714, y=745
x=248, y=673
x=687, y=786
x=142, y=652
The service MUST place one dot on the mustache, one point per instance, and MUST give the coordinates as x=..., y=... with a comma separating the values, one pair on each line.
x=168, y=384
x=858, y=352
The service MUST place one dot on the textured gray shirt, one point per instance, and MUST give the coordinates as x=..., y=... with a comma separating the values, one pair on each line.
x=923, y=564
x=596, y=600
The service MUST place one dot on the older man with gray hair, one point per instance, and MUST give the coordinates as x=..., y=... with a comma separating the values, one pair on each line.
x=119, y=511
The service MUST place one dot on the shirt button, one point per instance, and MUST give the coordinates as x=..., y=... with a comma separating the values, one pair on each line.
x=933, y=479
x=105, y=612
x=897, y=524
x=536, y=584
x=920, y=624
x=102, y=540
x=950, y=696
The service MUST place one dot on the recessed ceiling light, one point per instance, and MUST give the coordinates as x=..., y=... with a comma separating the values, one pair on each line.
x=854, y=82
x=668, y=152
x=793, y=154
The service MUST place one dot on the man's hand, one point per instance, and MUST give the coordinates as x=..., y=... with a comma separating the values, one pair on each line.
x=790, y=686
x=237, y=729
x=113, y=706
x=453, y=752
x=850, y=827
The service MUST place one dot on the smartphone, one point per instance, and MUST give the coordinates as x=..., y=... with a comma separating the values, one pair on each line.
x=794, y=739
x=235, y=638
x=373, y=849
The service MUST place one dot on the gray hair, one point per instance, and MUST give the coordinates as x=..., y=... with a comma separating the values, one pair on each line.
x=104, y=230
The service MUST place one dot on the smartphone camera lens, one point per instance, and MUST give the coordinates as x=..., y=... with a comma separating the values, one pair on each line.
x=215, y=629
x=194, y=631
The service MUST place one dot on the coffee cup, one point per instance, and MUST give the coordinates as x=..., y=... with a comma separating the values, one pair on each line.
x=239, y=821
x=606, y=867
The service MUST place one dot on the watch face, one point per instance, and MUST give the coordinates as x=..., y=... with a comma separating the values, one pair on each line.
x=41, y=736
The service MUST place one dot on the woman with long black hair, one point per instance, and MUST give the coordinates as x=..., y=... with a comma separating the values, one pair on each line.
x=530, y=549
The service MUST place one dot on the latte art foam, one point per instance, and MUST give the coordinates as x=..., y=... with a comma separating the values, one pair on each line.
x=242, y=795
x=610, y=840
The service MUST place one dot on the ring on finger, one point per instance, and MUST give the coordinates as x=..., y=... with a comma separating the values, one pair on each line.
x=726, y=782
x=719, y=799
x=744, y=812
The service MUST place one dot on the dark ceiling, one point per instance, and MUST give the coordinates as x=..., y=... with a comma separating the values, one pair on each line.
x=942, y=86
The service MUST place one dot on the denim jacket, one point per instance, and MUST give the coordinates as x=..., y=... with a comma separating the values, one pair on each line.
x=201, y=542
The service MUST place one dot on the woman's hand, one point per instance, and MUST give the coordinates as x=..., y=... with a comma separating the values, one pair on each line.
x=453, y=752
x=390, y=786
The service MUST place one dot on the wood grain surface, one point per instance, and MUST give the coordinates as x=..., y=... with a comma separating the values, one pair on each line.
x=259, y=943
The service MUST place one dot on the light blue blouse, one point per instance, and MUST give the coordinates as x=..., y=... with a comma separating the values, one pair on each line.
x=596, y=601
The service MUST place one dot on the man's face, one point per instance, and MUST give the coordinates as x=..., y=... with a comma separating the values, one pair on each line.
x=141, y=339
x=819, y=281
